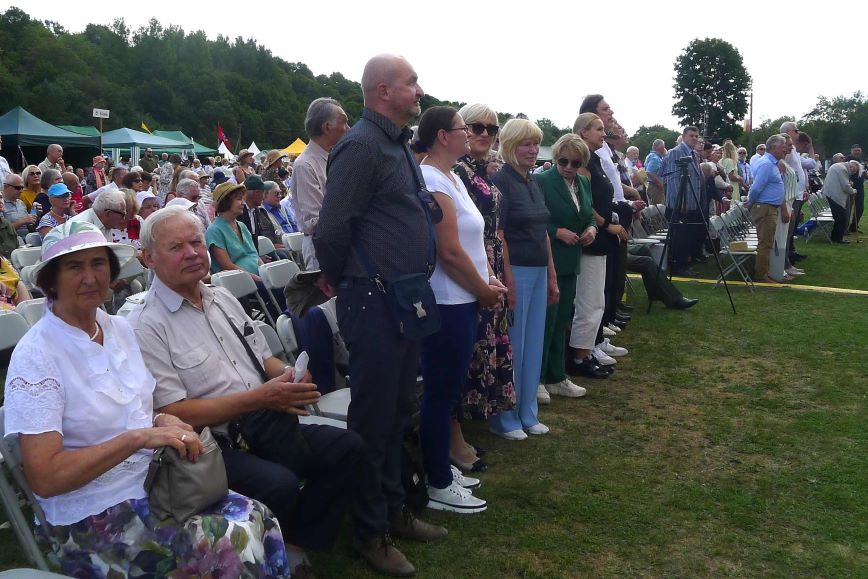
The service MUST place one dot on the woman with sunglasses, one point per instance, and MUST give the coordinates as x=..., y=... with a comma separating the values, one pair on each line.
x=49, y=177
x=58, y=201
x=528, y=271
x=571, y=227
x=490, y=387
x=32, y=176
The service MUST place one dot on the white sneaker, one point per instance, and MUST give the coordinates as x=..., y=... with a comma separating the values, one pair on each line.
x=792, y=270
x=604, y=358
x=467, y=482
x=613, y=350
x=608, y=333
x=455, y=499
x=542, y=395
x=614, y=328
x=566, y=388
x=511, y=435
x=538, y=428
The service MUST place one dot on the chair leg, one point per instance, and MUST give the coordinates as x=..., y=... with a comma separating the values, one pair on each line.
x=20, y=525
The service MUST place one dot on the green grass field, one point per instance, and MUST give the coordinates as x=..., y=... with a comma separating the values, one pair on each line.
x=724, y=445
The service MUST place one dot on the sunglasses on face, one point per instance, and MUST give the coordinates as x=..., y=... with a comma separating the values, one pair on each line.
x=479, y=128
x=16, y=187
x=137, y=180
x=575, y=163
x=35, y=174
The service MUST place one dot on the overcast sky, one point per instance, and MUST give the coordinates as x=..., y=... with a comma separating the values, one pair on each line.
x=539, y=58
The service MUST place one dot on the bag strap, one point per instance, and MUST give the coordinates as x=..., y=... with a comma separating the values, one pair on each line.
x=253, y=358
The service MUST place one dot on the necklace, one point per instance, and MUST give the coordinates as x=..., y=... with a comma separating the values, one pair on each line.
x=96, y=333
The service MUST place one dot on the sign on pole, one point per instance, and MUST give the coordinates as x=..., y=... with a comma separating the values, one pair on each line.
x=101, y=113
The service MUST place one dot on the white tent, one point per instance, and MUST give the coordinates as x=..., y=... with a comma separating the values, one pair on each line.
x=227, y=154
x=253, y=148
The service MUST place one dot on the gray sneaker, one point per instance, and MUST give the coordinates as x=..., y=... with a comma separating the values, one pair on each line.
x=381, y=554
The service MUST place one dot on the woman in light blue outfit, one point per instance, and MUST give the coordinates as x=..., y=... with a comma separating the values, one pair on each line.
x=529, y=272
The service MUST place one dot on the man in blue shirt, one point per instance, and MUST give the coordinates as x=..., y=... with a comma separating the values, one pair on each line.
x=653, y=162
x=765, y=196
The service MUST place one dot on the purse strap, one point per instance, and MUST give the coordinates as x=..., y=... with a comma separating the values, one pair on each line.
x=253, y=357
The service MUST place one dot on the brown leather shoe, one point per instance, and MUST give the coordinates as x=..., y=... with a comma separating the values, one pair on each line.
x=406, y=526
x=381, y=554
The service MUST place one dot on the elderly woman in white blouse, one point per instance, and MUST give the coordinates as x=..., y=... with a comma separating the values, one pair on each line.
x=79, y=397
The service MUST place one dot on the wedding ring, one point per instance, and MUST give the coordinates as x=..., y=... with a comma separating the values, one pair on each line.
x=183, y=437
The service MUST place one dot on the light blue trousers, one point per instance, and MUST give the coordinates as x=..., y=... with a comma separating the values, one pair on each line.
x=526, y=335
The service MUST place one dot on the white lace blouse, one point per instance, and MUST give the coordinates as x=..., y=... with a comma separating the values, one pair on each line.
x=61, y=381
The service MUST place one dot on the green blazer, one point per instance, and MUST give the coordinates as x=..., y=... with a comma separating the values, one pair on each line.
x=563, y=213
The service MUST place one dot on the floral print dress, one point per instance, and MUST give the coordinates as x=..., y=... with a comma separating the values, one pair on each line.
x=490, y=386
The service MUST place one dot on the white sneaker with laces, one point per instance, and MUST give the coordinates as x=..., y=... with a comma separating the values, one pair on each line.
x=613, y=350
x=455, y=499
x=542, y=395
x=614, y=328
x=792, y=270
x=467, y=482
x=566, y=388
x=608, y=333
x=538, y=428
x=511, y=435
x=604, y=358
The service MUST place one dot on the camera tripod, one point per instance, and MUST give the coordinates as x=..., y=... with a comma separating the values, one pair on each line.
x=677, y=221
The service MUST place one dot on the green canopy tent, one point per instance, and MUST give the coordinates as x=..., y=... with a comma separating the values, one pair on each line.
x=136, y=140
x=86, y=130
x=28, y=135
x=198, y=149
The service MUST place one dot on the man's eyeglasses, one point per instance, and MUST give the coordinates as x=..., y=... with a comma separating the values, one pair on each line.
x=479, y=128
x=116, y=212
x=16, y=187
x=575, y=163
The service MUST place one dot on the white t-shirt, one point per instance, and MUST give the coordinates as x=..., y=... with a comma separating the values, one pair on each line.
x=470, y=228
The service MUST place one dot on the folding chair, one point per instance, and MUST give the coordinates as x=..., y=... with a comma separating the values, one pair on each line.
x=13, y=326
x=286, y=335
x=292, y=242
x=264, y=246
x=334, y=405
x=738, y=259
x=13, y=489
x=276, y=275
x=31, y=310
x=27, y=278
x=24, y=256
x=241, y=285
x=274, y=343
x=33, y=239
x=821, y=213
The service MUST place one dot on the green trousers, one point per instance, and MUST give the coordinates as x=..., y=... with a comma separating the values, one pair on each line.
x=558, y=318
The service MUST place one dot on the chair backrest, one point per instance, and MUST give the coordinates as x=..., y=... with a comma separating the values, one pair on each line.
x=293, y=240
x=25, y=272
x=13, y=326
x=238, y=282
x=277, y=274
x=274, y=343
x=31, y=310
x=132, y=268
x=25, y=256
x=33, y=239
x=286, y=334
x=264, y=245
x=330, y=310
x=131, y=302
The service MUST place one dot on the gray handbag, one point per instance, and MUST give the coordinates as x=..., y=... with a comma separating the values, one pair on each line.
x=178, y=488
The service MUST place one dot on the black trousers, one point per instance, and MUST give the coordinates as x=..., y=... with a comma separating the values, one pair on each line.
x=840, y=215
x=616, y=281
x=658, y=287
x=859, y=203
x=383, y=370
x=310, y=516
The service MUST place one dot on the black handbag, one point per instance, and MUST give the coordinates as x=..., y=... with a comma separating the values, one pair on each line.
x=409, y=297
x=178, y=488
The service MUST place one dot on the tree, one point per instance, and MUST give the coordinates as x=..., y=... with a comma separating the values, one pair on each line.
x=551, y=133
x=711, y=86
x=644, y=136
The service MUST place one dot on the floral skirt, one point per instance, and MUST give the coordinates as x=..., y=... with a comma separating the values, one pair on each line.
x=238, y=537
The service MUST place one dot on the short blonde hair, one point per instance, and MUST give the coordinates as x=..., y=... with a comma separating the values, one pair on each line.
x=583, y=121
x=515, y=131
x=571, y=143
x=477, y=112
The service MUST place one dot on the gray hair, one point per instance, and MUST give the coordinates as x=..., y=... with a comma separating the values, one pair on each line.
x=185, y=185
x=742, y=150
x=110, y=199
x=788, y=126
x=477, y=112
x=48, y=177
x=320, y=111
x=775, y=140
x=188, y=174
x=658, y=142
x=269, y=185
x=146, y=235
x=857, y=164
x=838, y=156
x=632, y=148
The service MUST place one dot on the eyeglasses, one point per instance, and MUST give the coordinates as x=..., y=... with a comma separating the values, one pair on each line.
x=137, y=180
x=575, y=163
x=116, y=212
x=465, y=128
x=479, y=128
x=16, y=187
x=35, y=173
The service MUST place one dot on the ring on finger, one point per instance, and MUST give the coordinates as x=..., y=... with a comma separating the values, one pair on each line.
x=183, y=437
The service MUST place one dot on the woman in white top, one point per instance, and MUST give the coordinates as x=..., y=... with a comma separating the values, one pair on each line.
x=461, y=282
x=79, y=397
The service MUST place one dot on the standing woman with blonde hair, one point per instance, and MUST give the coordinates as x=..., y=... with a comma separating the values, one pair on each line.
x=529, y=273
x=729, y=163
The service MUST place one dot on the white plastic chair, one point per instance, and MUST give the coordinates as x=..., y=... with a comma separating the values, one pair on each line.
x=241, y=285
x=264, y=246
x=33, y=239
x=276, y=275
x=27, y=278
x=314, y=419
x=273, y=341
x=13, y=326
x=330, y=310
x=335, y=405
x=130, y=303
x=24, y=256
x=31, y=310
x=286, y=335
x=292, y=241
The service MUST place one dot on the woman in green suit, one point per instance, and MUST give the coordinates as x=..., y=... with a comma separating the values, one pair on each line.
x=571, y=226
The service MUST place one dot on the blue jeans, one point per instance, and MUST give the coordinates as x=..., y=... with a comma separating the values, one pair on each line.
x=445, y=361
x=527, y=335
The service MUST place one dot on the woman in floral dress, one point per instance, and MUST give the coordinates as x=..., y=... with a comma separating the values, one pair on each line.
x=490, y=387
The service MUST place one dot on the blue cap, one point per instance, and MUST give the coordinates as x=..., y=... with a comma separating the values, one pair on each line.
x=58, y=190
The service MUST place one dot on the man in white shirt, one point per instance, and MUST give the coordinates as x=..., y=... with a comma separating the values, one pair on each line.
x=760, y=151
x=109, y=212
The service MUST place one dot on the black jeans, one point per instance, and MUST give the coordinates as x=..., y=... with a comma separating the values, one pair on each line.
x=658, y=287
x=383, y=370
x=859, y=202
x=686, y=239
x=334, y=476
x=840, y=215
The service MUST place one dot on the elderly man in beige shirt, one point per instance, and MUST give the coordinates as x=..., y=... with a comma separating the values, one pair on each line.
x=325, y=123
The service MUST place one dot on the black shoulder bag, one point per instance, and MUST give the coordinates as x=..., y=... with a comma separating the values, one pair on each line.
x=410, y=297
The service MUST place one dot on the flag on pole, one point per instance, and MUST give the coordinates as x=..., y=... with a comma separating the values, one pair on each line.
x=145, y=127
x=221, y=136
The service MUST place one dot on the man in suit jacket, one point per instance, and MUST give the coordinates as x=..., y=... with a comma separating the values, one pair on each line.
x=571, y=225
x=256, y=218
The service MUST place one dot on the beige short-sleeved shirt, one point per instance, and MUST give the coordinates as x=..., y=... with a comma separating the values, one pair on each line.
x=308, y=185
x=194, y=353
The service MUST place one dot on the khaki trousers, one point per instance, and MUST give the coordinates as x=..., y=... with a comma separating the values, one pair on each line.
x=765, y=218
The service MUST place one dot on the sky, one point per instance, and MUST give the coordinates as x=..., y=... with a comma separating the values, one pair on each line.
x=538, y=59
